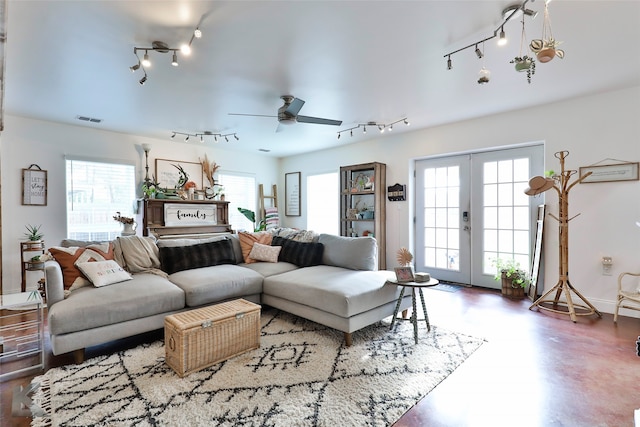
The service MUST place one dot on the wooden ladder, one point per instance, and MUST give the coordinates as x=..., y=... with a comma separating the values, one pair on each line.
x=273, y=197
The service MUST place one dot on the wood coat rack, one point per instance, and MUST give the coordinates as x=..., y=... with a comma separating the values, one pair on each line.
x=562, y=187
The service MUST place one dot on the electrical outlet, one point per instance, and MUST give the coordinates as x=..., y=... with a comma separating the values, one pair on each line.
x=607, y=263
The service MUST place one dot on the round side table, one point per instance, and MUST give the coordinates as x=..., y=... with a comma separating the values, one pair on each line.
x=414, y=313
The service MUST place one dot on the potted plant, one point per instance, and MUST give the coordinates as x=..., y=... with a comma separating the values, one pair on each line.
x=128, y=224
x=525, y=64
x=34, y=234
x=514, y=278
x=545, y=48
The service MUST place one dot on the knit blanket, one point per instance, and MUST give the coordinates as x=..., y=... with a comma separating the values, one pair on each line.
x=138, y=255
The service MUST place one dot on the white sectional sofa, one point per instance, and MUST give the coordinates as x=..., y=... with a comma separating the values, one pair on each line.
x=342, y=289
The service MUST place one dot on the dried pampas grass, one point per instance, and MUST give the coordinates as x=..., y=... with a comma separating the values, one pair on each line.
x=404, y=257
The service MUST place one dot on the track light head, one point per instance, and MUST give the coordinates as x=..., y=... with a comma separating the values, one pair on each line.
x=364, y=129
x=406, y=122
x=174, y=60
x=226, y=138
x=135, y=67
x=449, y=63
x=479, y=53
x=143, y=80
x=236, y=137
x=503, y=38
x=145, y=60
x=215, y=139
x=381, y=128
x=201, y=138
x=338, y=135
x=173, y=135
x=351, y=133
x=531, y=13
x=391, y=128
x=186, y=138
x=197, y=33
x=185, y=49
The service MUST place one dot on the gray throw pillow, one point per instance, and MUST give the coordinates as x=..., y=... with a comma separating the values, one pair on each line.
x=178, y=258
x=355, y=253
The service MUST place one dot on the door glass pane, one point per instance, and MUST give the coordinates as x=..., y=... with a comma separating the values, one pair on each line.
x=442, y=217
x=506, y=212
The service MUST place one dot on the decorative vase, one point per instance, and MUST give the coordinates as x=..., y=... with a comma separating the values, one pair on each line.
x=128, y=229
x=209, y=193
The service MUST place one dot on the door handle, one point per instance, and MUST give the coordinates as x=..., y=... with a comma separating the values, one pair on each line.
x=466, y=228
x=465, y=216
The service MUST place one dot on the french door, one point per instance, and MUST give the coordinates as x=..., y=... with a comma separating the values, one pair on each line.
x=471, y=209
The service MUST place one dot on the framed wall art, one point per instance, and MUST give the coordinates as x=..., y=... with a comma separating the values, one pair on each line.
x=183, y=215
x=167, y=174
x=292, y=194
x=626, y=171
x=34, y=186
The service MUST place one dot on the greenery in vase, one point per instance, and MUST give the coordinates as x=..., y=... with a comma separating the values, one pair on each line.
x=34, y=233
x=511, y=270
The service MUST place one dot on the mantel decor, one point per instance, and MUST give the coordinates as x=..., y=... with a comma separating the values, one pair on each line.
x=182, y=215
x=34, y=186
x=561, y=184
x=168, y=175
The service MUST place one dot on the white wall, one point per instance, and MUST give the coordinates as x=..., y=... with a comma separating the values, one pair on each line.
x=27, y=141
x=592, y=129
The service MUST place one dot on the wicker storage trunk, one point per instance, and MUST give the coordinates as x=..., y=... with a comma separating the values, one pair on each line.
x=199, y=338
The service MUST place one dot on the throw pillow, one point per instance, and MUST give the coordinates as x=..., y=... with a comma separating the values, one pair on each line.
x=271, y=218
x=355, y=253
x=72, y=277
x=261, y=252
x=103, y=273
x=248, y=239
x=179, y=258
x=302, y=254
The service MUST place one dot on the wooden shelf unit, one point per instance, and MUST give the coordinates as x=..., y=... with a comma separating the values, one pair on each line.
x=153, y=219
x=28, y=250
x=364, y=185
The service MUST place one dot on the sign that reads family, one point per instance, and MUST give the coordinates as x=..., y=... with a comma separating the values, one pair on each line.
x=181, y=215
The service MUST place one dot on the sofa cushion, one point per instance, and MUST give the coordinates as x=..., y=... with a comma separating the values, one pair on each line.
x=214, y=284
x=72, y=277
x=90, y=307
x=295, y=234
x=355, y=253
x=266, y=253
x=270, y=268
x=178, y=258
x=299, y=253
x=190, y=242
x=248, y=239
x=336, y=290
x=103, y=273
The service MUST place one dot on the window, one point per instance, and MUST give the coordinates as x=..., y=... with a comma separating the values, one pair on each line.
x=240, y=191
x=95, y=192
x=323, y=200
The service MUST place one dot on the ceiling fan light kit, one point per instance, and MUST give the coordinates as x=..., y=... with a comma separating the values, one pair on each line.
x=544, y=48
x=381, y=126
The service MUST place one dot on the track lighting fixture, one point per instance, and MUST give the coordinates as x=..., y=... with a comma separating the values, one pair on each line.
x=509, y=13
x=143, y=79
x=204, y=135
x=479, y=54
x=161, y=47
x=381, y=126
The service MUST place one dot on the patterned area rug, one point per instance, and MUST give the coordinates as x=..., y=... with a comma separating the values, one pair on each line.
x=302, y=375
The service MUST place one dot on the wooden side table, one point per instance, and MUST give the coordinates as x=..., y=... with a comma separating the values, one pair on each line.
x=414, y=313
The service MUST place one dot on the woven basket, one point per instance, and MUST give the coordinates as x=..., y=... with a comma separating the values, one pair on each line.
x=200, y=338
x=510, y=290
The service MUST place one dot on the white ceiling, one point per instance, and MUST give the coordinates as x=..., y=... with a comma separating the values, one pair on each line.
x=355, y=61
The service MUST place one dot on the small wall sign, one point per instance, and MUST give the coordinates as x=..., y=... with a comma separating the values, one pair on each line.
x=34, y=186
x=184, y=215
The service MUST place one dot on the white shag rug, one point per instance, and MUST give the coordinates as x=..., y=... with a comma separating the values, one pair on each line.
x=302, y=375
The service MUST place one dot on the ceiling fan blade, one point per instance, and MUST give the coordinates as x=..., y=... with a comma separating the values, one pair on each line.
x=294, y=107
x=252, y=115
x=318, y=121
x=279, y=128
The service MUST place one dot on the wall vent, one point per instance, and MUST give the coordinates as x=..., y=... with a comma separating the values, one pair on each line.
x=89, y=119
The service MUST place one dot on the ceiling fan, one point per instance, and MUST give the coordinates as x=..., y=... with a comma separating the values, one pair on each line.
x=288, y=114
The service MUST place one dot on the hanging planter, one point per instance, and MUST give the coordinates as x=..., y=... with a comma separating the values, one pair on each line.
x=524, y=63
x=546, y=47
x=483, y=76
